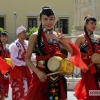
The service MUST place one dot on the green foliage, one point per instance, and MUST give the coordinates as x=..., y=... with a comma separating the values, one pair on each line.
x=73, y=29
x=99, y=25
x=1, y=30
x=30, y=31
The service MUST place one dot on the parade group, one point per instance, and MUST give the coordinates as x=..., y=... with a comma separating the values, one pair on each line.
x=34, y=73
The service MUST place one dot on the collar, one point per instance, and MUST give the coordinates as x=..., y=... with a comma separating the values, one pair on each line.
x=91, y=35
x=25, y=42
x=48, y=31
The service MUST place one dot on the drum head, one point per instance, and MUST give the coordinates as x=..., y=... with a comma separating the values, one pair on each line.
x=67, y=67
x=53, y=63
x=95, y=58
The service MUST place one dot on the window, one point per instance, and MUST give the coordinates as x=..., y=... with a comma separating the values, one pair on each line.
x=63, y=23
x=32, y=22
x=2, y=22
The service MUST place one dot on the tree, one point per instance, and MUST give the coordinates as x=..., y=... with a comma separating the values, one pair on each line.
x=30, y=31
x=1, y=30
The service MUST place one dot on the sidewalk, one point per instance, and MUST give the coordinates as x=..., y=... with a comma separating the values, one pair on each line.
x=70, y=95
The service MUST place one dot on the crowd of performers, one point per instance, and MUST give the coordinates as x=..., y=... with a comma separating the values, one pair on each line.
x=28, y=72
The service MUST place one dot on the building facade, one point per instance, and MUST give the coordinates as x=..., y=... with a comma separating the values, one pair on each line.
x=14, y=13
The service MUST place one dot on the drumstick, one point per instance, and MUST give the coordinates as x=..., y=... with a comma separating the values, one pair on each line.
x=54, y=73
x=90, y=64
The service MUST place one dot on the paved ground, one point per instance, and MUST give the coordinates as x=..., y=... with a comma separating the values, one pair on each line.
x=70, y=95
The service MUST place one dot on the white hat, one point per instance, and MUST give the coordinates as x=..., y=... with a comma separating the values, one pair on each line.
x=20, y=29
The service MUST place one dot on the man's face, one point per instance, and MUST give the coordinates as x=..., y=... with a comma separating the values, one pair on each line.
x=22, y=35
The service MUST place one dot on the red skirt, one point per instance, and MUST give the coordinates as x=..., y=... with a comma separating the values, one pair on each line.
x=4, y=86
x=20, y=71
x=20, y=78
x=88, y=82
x=37, y=89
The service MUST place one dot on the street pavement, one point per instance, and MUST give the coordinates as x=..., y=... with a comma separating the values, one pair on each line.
x=69, y=93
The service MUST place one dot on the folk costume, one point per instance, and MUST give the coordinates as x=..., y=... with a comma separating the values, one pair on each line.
x=4, y=70
x=20, y=75
x=91, y=79
x=54, y=88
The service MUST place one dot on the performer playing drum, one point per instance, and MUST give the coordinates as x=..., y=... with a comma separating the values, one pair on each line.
x=46, y=44
x=89, y=44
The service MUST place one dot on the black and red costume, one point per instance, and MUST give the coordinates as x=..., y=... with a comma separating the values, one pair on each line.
x=90, y=80
x=4, y=83
x=54, y=88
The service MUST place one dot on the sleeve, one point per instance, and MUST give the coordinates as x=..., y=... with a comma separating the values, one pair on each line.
x=14, y=55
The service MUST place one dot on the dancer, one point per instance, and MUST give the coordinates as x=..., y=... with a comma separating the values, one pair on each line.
x=20, y=74
x=46, y=43
x=4, y=78
x=89, y=43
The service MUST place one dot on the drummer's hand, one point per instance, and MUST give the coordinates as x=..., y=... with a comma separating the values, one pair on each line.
x=60, y=36
x=42, y=76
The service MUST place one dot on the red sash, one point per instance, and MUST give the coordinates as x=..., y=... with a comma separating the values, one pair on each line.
x=92, y=68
